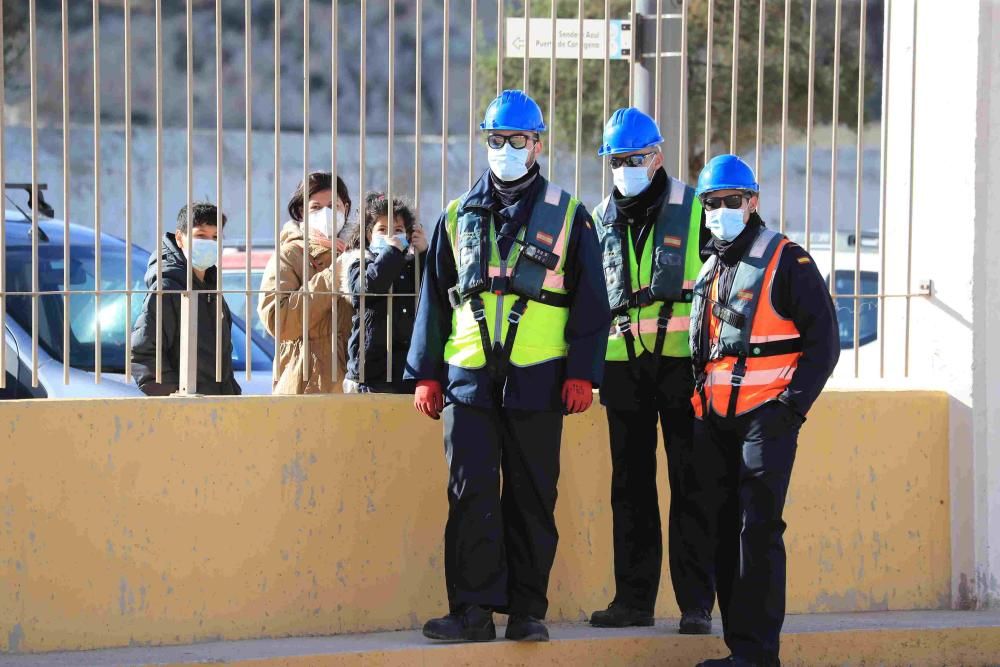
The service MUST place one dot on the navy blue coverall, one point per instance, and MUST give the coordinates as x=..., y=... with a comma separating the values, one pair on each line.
x=500, y=545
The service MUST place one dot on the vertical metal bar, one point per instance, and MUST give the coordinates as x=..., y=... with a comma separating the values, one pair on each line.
x=306, y=198
x=833, y=150
x=606, y=109
x=3, y=216
x=33, y=73
x=248, y=179
x=579, y=97
x=64, y=17
x=417, y=137
x=472, y=89
x=761, y=27
x=658, y=60
x=189, y=301
x=362, y=99
x=733, y=94
x=632, y=56
x=500, y=45
x=909, y=227
x=159, y=189
x=444, y=105
x=552, y=92
x=334, y=193
x=128, y=192
x=391, y=209
x=682, y=150
x=883, y=166
x=277, y=186
x=784, y=116
x=527, y=46
x=708, y=80
x=857, y=190
x=810, y=119
x=218, y=193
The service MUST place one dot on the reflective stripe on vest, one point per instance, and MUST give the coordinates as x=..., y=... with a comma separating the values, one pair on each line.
x=541, y=330
x=766, y=376
x=667, y=246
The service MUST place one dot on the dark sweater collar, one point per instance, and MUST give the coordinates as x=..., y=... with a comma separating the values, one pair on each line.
x=510, y=192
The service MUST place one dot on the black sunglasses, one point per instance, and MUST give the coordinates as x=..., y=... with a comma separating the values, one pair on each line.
x=630, y=161
x=729, y=201
x=518, y=141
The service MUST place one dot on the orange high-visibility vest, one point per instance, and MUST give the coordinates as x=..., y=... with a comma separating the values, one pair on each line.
x=752, y=350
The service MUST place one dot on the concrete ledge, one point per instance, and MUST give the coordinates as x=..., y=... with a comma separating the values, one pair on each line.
x=883, y=638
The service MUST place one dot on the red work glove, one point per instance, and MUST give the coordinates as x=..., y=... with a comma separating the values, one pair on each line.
x=577, y=395
x=429, y=399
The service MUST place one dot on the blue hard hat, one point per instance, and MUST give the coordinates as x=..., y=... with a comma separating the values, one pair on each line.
x=726, y=172
x=628, y=130
x=513, y=110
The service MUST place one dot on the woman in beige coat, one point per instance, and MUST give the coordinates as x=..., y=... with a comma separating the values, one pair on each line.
x=283, y=297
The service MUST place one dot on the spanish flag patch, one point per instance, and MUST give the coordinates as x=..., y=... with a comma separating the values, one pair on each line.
x=803, y=260
x=745, y=295
x=672, y=241
x=544, y=238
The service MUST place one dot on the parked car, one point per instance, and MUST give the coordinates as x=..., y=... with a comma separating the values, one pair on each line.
x=85, y=311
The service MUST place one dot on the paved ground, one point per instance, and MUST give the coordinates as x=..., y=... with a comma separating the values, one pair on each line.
x=262, y=649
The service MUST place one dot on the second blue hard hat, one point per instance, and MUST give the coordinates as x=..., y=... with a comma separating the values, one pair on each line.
x=629, y=130
x=513, y=110
x=726, y=172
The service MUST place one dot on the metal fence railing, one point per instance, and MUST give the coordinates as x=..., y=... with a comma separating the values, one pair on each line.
x=372, y=77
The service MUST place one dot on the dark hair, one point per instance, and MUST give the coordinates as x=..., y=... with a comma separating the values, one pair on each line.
x=203, y=214
x=377, y=206
x=319, y=181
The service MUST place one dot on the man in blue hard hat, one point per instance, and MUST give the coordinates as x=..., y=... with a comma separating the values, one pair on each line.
x=764, y=341
x=509, y=337
x=651, y=233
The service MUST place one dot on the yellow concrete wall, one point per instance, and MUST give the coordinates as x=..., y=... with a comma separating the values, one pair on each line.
x=178, y=520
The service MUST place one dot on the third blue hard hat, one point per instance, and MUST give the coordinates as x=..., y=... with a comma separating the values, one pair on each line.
x=629, y=130
x=726, y=172
x=513, y=110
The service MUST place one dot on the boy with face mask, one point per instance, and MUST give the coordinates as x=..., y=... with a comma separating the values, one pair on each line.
x=650, y=232
x=510, y=329
x=764, y=341
x=174, y=257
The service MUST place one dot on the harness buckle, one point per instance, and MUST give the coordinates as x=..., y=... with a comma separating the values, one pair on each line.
x=736, y=380
x=455, y=297
x=514, y=317
x=479, y=314
x=662, y=322
x=623, y=325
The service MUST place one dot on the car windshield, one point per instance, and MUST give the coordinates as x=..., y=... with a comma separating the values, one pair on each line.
x=85, y=310
x=232, y=281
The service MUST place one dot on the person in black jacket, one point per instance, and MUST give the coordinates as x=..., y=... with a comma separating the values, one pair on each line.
x=174, y=257
x=390, y=265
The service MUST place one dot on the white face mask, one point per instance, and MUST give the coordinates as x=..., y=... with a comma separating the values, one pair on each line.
x=630, y=181
x=204, y=253
x=507, y=163
x=725, y=223
x=322, y=222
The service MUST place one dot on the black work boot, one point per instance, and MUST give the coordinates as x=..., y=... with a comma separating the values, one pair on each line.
x=526, y=629
x=472, y=624
x=696, y=622
x=733, y=661
x=619, y=616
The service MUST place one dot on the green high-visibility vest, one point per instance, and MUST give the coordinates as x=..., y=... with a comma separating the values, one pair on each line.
x=675, y=242
x=541, y=329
